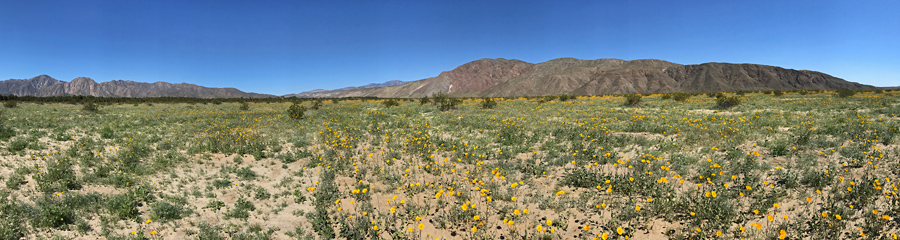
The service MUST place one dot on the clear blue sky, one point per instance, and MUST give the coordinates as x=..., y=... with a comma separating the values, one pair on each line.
x=281, y=47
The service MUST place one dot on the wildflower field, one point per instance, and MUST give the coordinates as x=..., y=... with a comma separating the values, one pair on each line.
x=792, y=165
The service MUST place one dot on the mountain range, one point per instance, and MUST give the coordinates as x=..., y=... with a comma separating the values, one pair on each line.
x=326, y=93
x=503, y=78
x=46, y=86
x=493, y=78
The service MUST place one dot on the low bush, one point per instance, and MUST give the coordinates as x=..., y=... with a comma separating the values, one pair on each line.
x=390, y=103
x=728, y=102
x=632, y=99
x=845, y=93
x=90, y=107
x=488, y=103
x=296, y=111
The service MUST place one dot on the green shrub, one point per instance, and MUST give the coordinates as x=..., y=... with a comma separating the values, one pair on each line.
x=14, y=181
x=681, y=97
x=221, y=183
x=632, y=99
x=9, y=104
x=17, y=145
x=728, y=102
x=488, y=103
x=444, y=102
x=245, y=106
x=261, y=194
x=164, y=211
x=845, y=93
x=90, y=107
x=106, y=133
x=296, y=111
x=423, y=100
x=716, y=95
x=59, y=176
x=566, y=97
x=390, y=103
x=241, y=209
x=122, y=206
x=778, y=93
x=317, y=104
x=53, y=214
x=245, y=173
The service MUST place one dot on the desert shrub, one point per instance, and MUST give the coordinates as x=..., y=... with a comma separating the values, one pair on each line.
x=767, y=92
x=390, y=103
x=566, y=97
x=424, y=100
x=90, y=107
x=845, y=93
x=741, y=92
x=317, y=104
x=10, y=104
x=728, y=102
x=778, y=93
x=488, y=103
x=245, y=173
x=261, y=194
x=59, y=176
x=52, y=213
x=681, y=97
x=245, y=106
x=296, y=111
x=14, y=181
x=164, y=211
x=878, y=91
x=803, y=92
x=241, y=209
x=122, y=206
x=632, y=99
x=17, y=145
x=5, y=132
x=106, y=133
x=210, y=232
x=445, y=102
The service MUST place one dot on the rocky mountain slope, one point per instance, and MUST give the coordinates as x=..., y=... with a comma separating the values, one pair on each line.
x=502, y=77
x=45, y=86
x=329, y=93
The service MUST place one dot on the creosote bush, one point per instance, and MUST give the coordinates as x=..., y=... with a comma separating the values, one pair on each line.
x=488, y=103
x=728, y=102
x=845, y=93
x=296, y=111
x=390, y=103
x=9, y=104
x=632, y=99
x=90, y=107
x=245, y=106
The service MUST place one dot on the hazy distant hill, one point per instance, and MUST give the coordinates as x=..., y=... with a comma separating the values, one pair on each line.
x=329, y=93
x=44, y=86
x=501, y=77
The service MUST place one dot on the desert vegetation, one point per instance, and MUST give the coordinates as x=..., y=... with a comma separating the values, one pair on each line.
x=787, y=165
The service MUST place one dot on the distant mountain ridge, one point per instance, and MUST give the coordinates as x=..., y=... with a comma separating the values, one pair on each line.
x=46, y=86
x=506, y=78
x=326, y=93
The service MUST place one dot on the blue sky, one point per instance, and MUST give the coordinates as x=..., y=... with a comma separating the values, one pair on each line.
x=281, y=47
